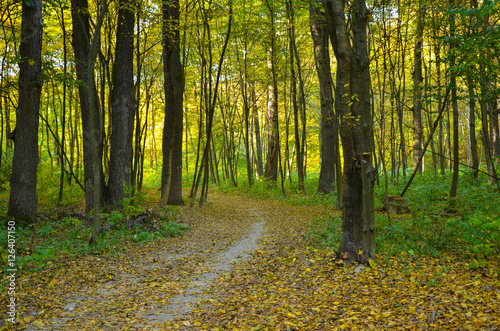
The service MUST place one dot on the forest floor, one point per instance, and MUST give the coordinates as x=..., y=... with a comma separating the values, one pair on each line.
x=248, y=264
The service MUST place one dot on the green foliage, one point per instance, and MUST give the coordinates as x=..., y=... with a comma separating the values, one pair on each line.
x=41, y=244
x=468, y=225
x=5, y=170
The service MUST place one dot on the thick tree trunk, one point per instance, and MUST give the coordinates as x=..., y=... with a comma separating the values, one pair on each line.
x=23, y=201
x=122, y=104
x=171, y=179
x=353, y=105
x=329, y=145
x=81, y=46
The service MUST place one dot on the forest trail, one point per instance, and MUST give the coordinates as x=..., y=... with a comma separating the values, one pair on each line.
x=162, y=284
x=246, y=264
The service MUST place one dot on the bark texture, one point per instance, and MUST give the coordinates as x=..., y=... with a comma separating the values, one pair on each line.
x=122, y=104
x=353, y=106
x=171, y=179
x=81, y=45
x=23, y=200
x=271, y=169
x=329, y=134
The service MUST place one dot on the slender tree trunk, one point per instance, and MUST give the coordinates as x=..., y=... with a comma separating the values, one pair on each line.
x=23, y=201
x=472, y=128
x=258, y=143
x=63, y=115
x=171, y=183
x=454, y=102
x=122, y=104
x=417, y=94
x=137, y=153
x=494, y=127
x=271, y=170
x=294, y=95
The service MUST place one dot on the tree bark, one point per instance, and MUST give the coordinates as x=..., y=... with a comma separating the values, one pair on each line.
x=329, y=143
x=454, y=102
x=122, y=104
x=171, y=179
x=353, y=106
x=271, y=169
x=417, y=94
x=23, y=200
x=299, y=146
x=87, y=92
x=258, y=143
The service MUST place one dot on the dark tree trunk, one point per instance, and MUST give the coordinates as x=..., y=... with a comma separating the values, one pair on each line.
x=417, y=94
x=353, y=105
x=122, y=104
x=454, y=102
x=494, y=127
x=171, y=178
x=472, y=127
x=298, y=99
x=23, y=203
x=271, y=170
x=87, y=93
x=258, y=143
x=329, y=145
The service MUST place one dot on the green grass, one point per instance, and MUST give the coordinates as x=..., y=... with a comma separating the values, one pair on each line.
x=468, y=225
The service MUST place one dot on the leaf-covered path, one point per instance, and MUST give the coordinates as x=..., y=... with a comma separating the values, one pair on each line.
x=245, y=264
x=152, y=285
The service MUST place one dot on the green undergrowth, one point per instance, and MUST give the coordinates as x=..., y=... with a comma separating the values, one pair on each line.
x=468, y=225
x=56, y=237
x=262, y=189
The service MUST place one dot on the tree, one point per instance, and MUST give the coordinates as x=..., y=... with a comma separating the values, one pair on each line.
x=23, y=201
x=271, y=169
x=171, y=177
x=89, y=102
x=417, y=89
x=122, y=104
x=329, y=131
x=353, y=106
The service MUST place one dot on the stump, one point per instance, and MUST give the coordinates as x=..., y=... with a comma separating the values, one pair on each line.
x=396, y=204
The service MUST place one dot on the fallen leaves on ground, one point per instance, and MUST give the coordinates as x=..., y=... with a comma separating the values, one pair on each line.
x=284, y=285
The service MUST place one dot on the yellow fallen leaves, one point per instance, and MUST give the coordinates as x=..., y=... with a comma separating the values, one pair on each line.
x=285, y=285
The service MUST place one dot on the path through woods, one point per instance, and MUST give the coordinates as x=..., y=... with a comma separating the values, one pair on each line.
x=247, y=265
x=156, y=285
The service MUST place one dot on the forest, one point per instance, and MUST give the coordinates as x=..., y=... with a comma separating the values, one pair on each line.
x=250, y=165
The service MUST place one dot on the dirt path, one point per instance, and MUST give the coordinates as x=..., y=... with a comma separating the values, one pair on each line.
x=245, y=265
x=160, y=285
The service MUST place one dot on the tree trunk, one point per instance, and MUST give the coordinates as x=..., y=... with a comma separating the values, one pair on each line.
x=122, y=104
x=171, y=179
x=329, y=148
x=299, y=147
x=417, y=94
x=271, y=170
x=454, y=102
x=472, y=128
x=81, y=46
x=23, y=201
x=353, y=105
x=258, y=143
